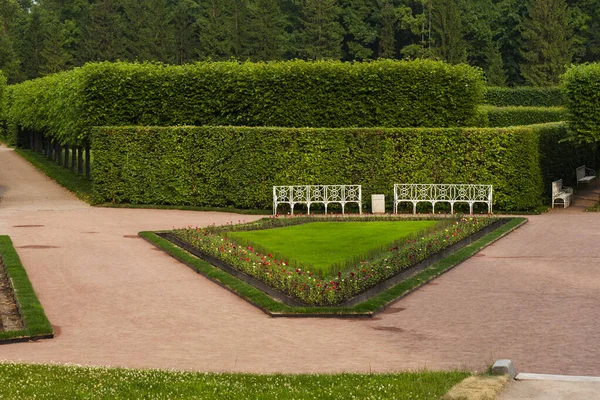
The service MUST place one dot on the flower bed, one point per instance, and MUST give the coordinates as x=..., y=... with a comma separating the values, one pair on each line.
x=311, y=290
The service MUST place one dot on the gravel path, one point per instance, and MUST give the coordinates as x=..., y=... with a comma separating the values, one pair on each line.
x=532, y=297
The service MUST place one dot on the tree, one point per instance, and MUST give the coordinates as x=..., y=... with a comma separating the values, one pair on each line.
x=266, y=30
x=548, y=45
x=450, y=44
x=103, y=35
x=494, y=69
x=214, y=20
x=185, y=30
x=9, y=59
x=511, y=14
x=321, y=34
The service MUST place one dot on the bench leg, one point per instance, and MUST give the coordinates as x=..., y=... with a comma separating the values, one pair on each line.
x=343, y=204
x=414, y=207
x=470, y=208
x=292, y=208
x=307, y=208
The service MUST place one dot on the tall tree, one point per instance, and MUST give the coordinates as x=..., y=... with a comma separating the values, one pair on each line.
x=55, y=52
x=32, y=44
x=548, y=46
x=266, y=30
x=450, y=44
x=103, y=36
x=321, y=34
x=185, y=30
x=511, y=14
x=147, y=30
x=214, y=21
x=9, y=58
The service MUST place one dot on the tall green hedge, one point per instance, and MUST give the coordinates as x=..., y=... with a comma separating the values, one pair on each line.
x=524, y=96
x=290, y=94
x=512, y=116
x=2, y=106
x=237, y=166
x=581, y=85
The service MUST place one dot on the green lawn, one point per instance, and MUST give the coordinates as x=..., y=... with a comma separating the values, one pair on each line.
x=322, y=245
x=23, y=381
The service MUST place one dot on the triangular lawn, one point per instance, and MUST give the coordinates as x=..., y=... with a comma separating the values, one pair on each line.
x=323, y=244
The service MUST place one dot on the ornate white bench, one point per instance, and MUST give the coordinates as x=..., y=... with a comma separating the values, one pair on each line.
x=442, y=193
x=319, y=194
x=584, y=174
x=560, y=192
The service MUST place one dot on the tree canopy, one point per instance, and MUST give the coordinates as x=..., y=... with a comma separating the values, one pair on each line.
x=514, y=42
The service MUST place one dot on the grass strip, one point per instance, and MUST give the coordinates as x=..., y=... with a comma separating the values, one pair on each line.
x=34, y=318
x=28, y=381
x=368, y=308
x=328, y=247
x=78, y=184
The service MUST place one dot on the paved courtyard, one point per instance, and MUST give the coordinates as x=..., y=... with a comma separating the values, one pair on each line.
x=533, y=297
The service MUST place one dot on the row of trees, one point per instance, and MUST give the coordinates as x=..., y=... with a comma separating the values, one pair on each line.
x=514, y=42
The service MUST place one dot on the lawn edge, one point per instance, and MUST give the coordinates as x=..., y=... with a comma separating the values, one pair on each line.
x=37, y=325
x=367, y=309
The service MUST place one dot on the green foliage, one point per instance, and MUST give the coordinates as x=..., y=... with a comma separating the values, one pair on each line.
x=34, y=318
x=184, y=165
x=526, y=96
x=24, y=381
x=512, y=116
x=559, y=158
x=328, y=247
x=548, y=45
x=581, y=85
x=294, y=94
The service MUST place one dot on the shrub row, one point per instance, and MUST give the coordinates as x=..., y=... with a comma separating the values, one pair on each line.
x=524, y=96
x=237, y=166
x=512, y=116
x=289, y=94
x=582, y=87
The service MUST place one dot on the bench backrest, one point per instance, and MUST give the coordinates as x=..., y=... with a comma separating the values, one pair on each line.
x=557, y=187
x=580, y=172
x=443, y=192
x=317, y=193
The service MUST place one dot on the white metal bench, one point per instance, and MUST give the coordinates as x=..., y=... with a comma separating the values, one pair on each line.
x=442, y=193
x=319, y=194
x=584, y=174
x=560, y=192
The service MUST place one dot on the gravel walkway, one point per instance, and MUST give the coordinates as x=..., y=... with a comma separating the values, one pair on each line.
x=532, y=297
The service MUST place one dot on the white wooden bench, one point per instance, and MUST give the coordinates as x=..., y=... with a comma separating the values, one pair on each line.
x=584, y=175
x=442, y=193
x=560, y=192
x=317, y=194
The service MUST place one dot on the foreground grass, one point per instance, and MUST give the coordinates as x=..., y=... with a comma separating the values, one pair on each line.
x=367, y=308
x=321, y=245
x=78, y=184
x=36, y=323
x=23, y=381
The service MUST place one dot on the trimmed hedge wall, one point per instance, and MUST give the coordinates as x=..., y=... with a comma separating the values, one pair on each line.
x=512, y=116
x=237, y=166
x=289, y=94
x=525, y=96
x=582, y=89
